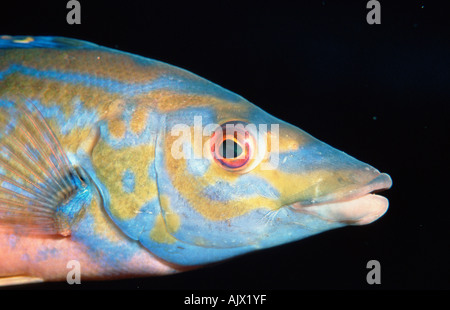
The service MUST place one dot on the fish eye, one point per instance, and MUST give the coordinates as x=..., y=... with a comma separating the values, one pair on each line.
x=230, y=149
x=232, y=146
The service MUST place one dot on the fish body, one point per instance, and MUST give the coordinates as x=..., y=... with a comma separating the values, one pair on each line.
x=127, y=166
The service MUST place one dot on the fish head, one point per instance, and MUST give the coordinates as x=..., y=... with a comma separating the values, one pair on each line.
x=233, y=179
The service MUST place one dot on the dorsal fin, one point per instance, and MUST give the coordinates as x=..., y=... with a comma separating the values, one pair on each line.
x=42, y=42
x=36, y=178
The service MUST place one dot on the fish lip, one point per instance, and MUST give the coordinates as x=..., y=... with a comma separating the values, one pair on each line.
x=380, y=183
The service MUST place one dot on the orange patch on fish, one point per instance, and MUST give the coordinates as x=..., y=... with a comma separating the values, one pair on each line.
x=170, y=101
x=117, y=128
x=139, y=119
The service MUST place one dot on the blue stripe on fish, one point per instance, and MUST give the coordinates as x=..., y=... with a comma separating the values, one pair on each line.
x=128, y=181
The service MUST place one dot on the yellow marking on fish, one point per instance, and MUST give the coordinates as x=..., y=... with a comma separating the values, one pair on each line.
x=90, y=141
x=3, y=118
x=215, y=173
x=139, y=120
x=311, y=184
x=26, y=40
x=159, y=232
x=73, y=140
x=101, y=224
x=169, y=101
x=172, y=219
x=286, y=142
x=289, y=139
x=111, y=164
x=117, y=128
x=304, y=183
x=114, y=109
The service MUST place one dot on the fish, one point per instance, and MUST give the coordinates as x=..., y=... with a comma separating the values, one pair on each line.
x=113, y=165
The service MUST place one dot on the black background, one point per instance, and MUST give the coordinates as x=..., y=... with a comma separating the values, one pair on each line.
x=378, y=92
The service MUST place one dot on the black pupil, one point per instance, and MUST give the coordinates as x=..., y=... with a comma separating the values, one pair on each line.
x=230, y=149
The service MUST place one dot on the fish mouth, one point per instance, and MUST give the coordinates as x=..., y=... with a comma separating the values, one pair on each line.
x=356, y=206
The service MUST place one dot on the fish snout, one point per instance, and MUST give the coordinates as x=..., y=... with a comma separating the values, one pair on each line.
x=355, y=207
x=336, y=187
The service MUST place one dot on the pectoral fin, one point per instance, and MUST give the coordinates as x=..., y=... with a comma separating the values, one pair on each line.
x=37, y=181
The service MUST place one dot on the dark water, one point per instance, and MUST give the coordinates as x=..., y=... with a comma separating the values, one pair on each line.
x=378, y=92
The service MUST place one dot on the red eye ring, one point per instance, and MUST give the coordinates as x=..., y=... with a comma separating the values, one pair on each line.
x=232, y=146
